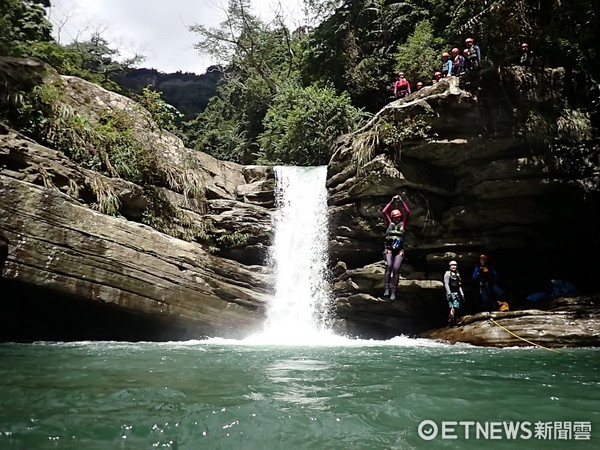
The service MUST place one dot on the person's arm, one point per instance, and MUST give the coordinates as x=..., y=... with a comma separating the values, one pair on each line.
x=447, y=283
x=449, y=68
x=408, y=85
x=386, y=213
x=478, y=51
x=395, y=88
x=476, y=273
x=406, y=212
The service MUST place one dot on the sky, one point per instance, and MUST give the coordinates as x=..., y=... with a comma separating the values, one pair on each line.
x=154, y=28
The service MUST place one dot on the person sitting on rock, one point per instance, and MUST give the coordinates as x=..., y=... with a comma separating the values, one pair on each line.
x=419, y=86
x=436, y=77
x=491, y=294
x=393, y=253
x=454, y=293
x=401, y=86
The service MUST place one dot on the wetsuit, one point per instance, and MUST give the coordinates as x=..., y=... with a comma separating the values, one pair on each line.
x=489, y=290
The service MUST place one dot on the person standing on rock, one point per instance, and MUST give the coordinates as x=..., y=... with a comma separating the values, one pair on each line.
x=526, y=57
x=473, y=54
x=454, y=292
x=485, y=274
x=393, y=253
x=446, y=65
x=401, y=86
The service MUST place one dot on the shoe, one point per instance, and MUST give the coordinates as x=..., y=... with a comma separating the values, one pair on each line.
x=386, y=292
x=393, y=296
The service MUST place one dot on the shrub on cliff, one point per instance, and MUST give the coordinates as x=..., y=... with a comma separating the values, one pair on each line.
x=302, y=124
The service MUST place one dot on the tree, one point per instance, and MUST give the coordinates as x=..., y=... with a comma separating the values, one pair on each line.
x=97, y=57
x=418, y=57
x=23, y=22
x=353, y=48
x=303, y=123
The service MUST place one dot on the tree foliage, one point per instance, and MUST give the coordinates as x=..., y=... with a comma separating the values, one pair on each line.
x=422, y=43
x=22, y=23
x=303, y=123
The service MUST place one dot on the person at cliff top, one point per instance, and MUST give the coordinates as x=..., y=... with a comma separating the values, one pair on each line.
x=446, y=65
x=454, y=293
x=401, y=86
x=490, y=293
x=467, y=64
x=436, y=77
x=526, y=56
x=473, y=54
x=419, y=86
x=458, y=62
x=393, y=253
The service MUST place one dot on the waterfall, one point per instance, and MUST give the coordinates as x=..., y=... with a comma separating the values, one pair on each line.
x=298, y=311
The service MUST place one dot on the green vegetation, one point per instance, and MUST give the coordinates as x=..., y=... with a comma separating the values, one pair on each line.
x=284, y=95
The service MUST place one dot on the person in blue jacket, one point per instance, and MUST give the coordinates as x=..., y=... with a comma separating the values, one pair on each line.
x=485, y=274
x=446, y=65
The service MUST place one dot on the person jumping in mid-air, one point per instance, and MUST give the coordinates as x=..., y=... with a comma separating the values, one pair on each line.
x=393, y=253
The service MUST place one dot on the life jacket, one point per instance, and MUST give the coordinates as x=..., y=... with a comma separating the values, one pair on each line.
x=472, y=52
x=394, y=236
x=485, y=274
x=455, y=281
x=458, y=63
x=402, y=84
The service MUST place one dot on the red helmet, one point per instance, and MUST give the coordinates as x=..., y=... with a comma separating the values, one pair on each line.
x=396, y=213
x=455, y=50
x=438, y=74
x=401, y=74
x=445, y=55
x=469, y=41
x=466, y=51
x=524, y=45
x=483, y=257
x=419, y=84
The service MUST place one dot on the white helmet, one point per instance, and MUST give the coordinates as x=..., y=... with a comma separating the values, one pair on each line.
x=453, y=263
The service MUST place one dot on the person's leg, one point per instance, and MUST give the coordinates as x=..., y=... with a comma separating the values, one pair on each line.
x=387, y=257
x=396, y=264
x=486, y=301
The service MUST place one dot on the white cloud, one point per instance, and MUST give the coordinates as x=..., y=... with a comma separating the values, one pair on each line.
x=156, y=29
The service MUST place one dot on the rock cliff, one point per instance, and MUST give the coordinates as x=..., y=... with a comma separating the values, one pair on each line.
x=484, y=168
x=89, y=255
x=70, y=271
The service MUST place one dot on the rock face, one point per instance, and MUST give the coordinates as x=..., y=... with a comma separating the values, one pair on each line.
x=478, y=178
x=56, y=244
x=567, y=322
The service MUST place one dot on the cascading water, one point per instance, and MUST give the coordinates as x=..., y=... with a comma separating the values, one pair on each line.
x=298, y=312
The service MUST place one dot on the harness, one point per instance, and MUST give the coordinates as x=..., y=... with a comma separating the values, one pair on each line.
x=394, y=236
x=472, y=53
x=455, y=281
x=485, y=274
